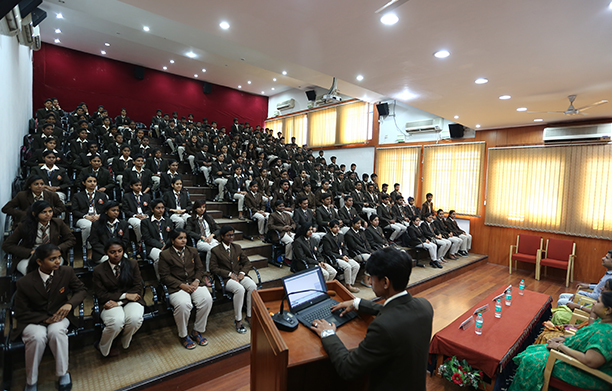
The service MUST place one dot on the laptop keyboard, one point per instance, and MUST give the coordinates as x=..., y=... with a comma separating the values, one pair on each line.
x=319, y=313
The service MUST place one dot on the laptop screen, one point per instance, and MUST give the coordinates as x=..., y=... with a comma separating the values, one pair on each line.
x=305, y=280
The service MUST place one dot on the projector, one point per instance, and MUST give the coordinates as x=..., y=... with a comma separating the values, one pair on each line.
x=331, y=98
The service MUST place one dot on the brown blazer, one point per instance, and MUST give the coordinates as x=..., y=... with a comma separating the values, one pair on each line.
x=24, y=199
x=254, y=203
x=277, y=221
x=222, y=264
x=173, y=272
x=106, y=285
x=427, y=208
x=34, y=305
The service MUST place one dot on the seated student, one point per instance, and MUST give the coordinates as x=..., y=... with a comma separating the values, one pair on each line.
x=177, y=202
x=45, y=132
x=122, y=120
x=412, y=210
x=283, y=193
x=263, y=184
x=86, y=208
x=139, y=172
x=284, y=175
x=375, y=234
x=50, y=144
x=281, y=227
x=136, y=141
x=333, y=247
x=387, y=218
x=347, y=213
x=357, y=245
x=326, y=212
x=418, y=240
x=440, y=224
x=56, y=178
x=254, y=202
x=118, y=286
x=299, y=181
x=80, y=144
x=107, y=227
x=221, y=172
x=399, y=212
x=337, y=189
x=231, y=264
x=113, y=147
x=156, y=231
x=309, y=195
x=428, y=206
x=181, y=270
x=47, y=109
x=453, y=227
x=44, y=300
x=122, y=165
x=170, y=133
x=236, y=187
x=307, y=254
x=34, y=186
x=303, y=215
x=145, y=148
x=103, y=176
x=432, y=234
x=348, y=184
x=325, y=188
x=383, y=189
x=396, y=191
x=167, y=177
x=360, y=202
x=135, y=206
x=180, y=140
x=22, y=242
x=156, y=164
x=203, y=229
x=204, y=161
x=371, y=197
x=591, y=345
x=192, y=147
x=606, y=262
x=81, y=161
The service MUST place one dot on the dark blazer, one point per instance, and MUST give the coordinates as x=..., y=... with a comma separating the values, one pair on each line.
x=37, y=159
x=58, y=177
x=324, y=217
x=129, y=206
x=302, y=217
x=357, y=243
x=24, y=199
x=312, y=201
x=193, y=227
x=384, y=215
x=34, y=305
x=333, y=246
x=426, y=208
x=77, y=148
x=390, y=355
x=236, y=184
x=104, y=178
x=358, y=199
x=170, y=200
x=155, y=168
x=263, y=185
x=165, y=182
x=173, y=271
x=98, y=239
x=80, y=203
x=375, y=237
x=371, y=199
x=429, y=232
x=106, y=285
x=120, y=167
x=276, y=222
x=453, y=227
x=415, y=235
x=347, y=215
x=411, y=210
x=441, y=226
x=254, y=202
x=222, y=263
x=150, y=234
x=146, y=177
x=305, y=254
x=287, y=197
x=399, y=213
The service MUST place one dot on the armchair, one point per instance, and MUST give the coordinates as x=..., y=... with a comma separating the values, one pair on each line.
x=559, y=254
x=526, y=250
x=555, y=355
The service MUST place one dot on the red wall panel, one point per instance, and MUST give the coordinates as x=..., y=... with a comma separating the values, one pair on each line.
x=75, y=77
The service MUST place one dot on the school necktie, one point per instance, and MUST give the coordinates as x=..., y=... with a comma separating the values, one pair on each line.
x=159, y=228
x=116, y=271
x=48, y=283
x=178, y=200
x=45, y=235
x=38, y=198
x=202, y=226
x=182, y=255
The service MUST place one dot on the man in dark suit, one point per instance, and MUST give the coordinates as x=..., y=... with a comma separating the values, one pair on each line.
x=326, y=212
x=304, y=215
x=281, y=227
x=375, y=234
x=395, y=359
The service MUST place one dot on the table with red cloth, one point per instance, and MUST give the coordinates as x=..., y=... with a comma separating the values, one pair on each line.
x=501, y=339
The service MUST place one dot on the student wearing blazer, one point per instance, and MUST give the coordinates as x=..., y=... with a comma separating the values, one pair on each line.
x=86, y=208
x=306, y=254
x=466, y=238
x=356, y=242
x=232, y=265
x=333, y=246
x=167, y=176
x=326, y=212
x=203, y=229
x=281, y=227
x=106, y=184
x=236, y=186
x=156, y=232
x=107, y=227
x=387, y=219
x=34, y=185
x=181, y=270
x=177, y=203
x=346, y=213
x=417, y=239
x=303, y=215
x=56, y=178
x=123, y=164
x=139, y=172
x=43, y=307
x=440, y=224
x=136, y=206
x=375, y=234
x=254, y=202
x=22, y=242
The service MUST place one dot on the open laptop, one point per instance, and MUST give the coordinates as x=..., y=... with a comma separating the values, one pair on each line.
x=314, y=303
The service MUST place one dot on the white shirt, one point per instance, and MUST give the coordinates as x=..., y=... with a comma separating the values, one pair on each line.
x=44, y=276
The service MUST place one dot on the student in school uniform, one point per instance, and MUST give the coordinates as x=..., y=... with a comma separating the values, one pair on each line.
x=333, y=246
x=326, y=212
x=303, y=215
x=428, y=206
x=283, y=228
x=156, y=232
x=358, y=247
x=44, y=300
x=157, y=165
x=107, y=227
x=103, y=176
x=253, y=202
x=87, y=206
x=118, y=285
x=168, y=176
x=122, y=120
x=440, y=224
x=466, y=238
x=236, y=187
x=347, y=213
x=50, y=144
x=80, y=144
x=139, y=172
x=177, y=203
x=284, y=194
x=203, y=229
x=387, y=218
x=122, y=165
x=221, y=172
x=231, y=263
x=307, y=254
x=135, y=206
x=204, y=161
x=34, y=191
x=181, y=270
x=375, y=234
x=192, y=147
x=56, y=178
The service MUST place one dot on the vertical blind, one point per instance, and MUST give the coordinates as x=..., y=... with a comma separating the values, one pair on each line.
x=399, y=165
x=453, y=174
x=296, y=126
x=276, y=125
x=322, y=127
x=561, y=189
x=353, y=124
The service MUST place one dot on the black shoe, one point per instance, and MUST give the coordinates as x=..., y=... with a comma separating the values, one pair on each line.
x=438, y=264
x=464, y=253
x=419, y=265
x=67, y=386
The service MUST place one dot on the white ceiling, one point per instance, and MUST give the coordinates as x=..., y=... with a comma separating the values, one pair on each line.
x=536, y=51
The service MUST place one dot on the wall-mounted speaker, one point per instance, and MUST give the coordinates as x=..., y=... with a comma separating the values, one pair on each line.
x=311, y=95
x=139, y=72
x=206, y=88
x=456, y=130
x=383, y=109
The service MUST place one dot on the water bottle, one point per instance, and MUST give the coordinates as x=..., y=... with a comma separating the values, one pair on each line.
x=508, y=297
x=498, y=308
x=478, y=328
x=522, y=288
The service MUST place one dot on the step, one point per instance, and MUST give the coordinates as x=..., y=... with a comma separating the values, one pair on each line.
x=258, y=261
x=255, y=247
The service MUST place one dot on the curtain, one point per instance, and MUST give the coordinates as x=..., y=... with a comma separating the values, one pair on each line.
x=453, y=174
x=275, y=124
x=296, y=126
x=322, y=127
x=399, y=165
x=353, y=124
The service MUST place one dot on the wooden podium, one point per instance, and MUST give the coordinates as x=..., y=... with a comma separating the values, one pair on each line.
x=296, y=360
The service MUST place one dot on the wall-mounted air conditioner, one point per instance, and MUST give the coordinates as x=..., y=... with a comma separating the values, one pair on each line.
x=287, y=104
x=11, y=24
x=426, y=125
x=600, y=132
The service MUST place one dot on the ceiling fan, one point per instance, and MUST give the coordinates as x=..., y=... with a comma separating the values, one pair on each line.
x=571, y=110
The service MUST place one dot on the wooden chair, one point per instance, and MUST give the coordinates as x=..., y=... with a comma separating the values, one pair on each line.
x=559, y=254
x=555, y=355
x=525, y=250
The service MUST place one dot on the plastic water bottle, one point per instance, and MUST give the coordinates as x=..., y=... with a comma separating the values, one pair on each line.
x=509, y=297
x=522, y=288
x=498, y=308
x=478, y=329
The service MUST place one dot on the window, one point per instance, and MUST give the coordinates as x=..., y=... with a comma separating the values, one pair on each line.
x=322, y=127
x=276, y=125
x=453, y=174
x=354, y=122
x=399, y=165
x=297, y=127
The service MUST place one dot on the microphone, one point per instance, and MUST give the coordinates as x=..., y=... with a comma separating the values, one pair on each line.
x=285, y=320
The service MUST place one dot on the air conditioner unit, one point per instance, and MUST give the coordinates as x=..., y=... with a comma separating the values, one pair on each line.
x=600, y=132
x=288, y=104
x=11, y=24
x=426, y=125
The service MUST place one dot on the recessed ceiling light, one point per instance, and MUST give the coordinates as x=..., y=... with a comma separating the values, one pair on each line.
x=191, y=55
x=171, y=61
x=406, y=95
x=274, y=79
x=456, y=117
x=359, y=77
x=224, y=25
x=538, y=120
x=196, y=75
x=272, y=88
x=165, y=68
x=203, y=69
x=249, y=82
x=239, y=86
x=103, y=51
x=481, y=80
x=522, y=109
x=610, y=6
x=284, y=72
x=263, y=92
x=389, y=19
x=442, y=54
x=146, y=28
x=57, y=40
x=106, y=44
x=59, y=16
x=58, y=31
x=477, y=126
x=505, y=97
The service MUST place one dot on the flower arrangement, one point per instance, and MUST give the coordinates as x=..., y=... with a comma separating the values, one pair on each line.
x=460, y=373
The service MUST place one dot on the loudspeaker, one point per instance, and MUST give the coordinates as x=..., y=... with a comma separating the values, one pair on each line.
x=206, y=88
x=383, y=109
x=456, y=130
x=139, y=72
x=311, y=95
